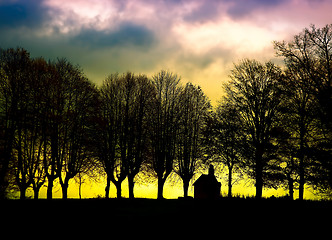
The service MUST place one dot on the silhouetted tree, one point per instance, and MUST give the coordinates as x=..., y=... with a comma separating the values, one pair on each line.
x=28, y=147
x=14, y=64
x=193, y=111
x=41, y=72
x=227, y=140
x=164, y=125
x=126, y=101
x=67, y=100
x=107, y=129
x=53, y=126
x=78, y=109
x=26, y=135
x=45, y=111
x=139, y=125
x=308, y=61
x=125, y=141
x=286, y=154
x=255, y=93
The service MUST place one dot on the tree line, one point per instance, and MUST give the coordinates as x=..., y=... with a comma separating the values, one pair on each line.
x=273, y=123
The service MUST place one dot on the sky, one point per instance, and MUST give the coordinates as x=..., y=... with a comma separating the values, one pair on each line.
x=199, y=40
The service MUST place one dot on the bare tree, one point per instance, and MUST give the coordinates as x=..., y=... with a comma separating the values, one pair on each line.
x=53, y=127
x=255, y=93
x=193, y=111
x=164, y=125
x=41, y=72
x=14, y=65
x=79, y=103
x=26, y=135
x=308, y=59
x=228, y=141
x=126, y=103
x=106, y=128
x=68, y=101
x=140, y=127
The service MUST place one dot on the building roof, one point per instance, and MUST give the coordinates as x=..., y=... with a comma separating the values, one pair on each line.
x=207, y=179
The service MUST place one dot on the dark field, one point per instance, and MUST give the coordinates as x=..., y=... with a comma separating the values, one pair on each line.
x=168, y=208
x=242, y=216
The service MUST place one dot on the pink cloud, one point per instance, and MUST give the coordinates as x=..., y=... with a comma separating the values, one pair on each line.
x=275, y=15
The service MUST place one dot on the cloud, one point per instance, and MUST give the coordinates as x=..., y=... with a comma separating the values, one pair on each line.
x=198, y=39
x=242, y=8
x=22, y=14
x=204, y=11
x=210, y=10
x=127, y=34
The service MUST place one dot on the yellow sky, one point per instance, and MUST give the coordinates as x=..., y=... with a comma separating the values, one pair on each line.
x=171, y=190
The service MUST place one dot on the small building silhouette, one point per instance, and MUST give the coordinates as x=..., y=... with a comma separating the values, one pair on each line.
x=207, y=186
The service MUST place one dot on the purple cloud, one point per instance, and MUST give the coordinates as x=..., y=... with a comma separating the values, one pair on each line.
x=241, y=8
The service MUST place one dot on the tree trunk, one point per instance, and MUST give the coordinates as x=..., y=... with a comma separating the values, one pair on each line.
x=118, y=189
x=301, y=166
x=4, y=159
x=131, y=185
x=259, y=184
x=259, y=173
x=161, y=182
x=80, y=187
x=185, y=187
x=64, y=188
x=291, y=188
x=230, y=176
x=50, y=188
x=301, y=173
x=107, y=188
x=22, y=193
x=36, y=193
x=301, y=183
